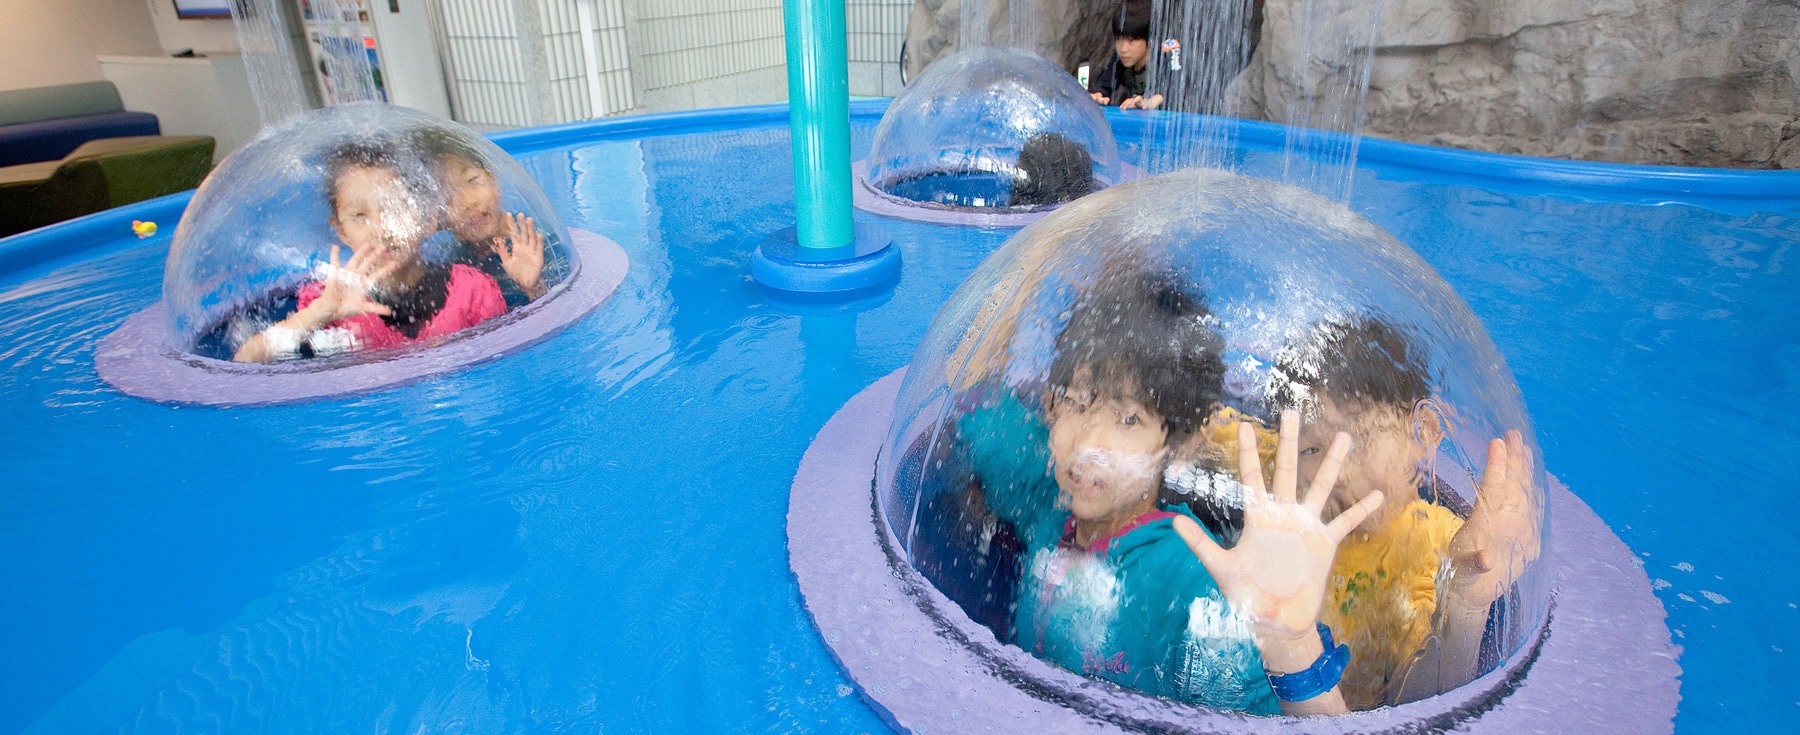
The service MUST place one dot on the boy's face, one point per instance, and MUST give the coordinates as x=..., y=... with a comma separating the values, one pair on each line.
x=1107, y=453
x=375, y=210
x=1385, y=457
x=474, y=201
x=1132, y=51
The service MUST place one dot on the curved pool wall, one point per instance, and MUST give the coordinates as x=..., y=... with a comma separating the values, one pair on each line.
x=589, y=534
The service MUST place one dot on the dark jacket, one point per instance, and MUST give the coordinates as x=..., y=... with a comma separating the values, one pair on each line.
x=1190, y=65
x=1118, y=83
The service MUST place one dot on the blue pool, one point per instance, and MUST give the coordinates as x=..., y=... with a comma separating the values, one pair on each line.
x=588, y=536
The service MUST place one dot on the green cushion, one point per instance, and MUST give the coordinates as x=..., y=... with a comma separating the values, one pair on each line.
x=60, y=101
x=160, y=166
x=27, y=174
x=74, y=190
x=102, y=174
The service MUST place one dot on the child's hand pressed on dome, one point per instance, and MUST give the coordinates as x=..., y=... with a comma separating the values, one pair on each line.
x=1500, y=538
x=1275, y=576
x=521, y=252
x=346, y=292
x=1276, y=573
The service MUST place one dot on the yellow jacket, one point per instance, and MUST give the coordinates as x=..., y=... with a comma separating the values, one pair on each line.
x=1382, y=594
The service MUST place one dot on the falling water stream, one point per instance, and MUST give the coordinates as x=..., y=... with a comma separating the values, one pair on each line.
x=1002, y=23
x=1305, y=63
x=272, y=39
x=351, y=75
x=267, y=37
x=1330, y=61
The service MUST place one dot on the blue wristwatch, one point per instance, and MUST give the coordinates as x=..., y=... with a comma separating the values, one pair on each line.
x=1318, y=678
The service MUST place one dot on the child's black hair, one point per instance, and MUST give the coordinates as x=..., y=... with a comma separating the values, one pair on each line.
x=438, y=144
x=1133, y=22
x=1359, y=360
x=1053, y=169
x=385, y=156
x=1142, y=336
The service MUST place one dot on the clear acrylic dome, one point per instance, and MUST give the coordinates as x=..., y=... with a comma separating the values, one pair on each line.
x=261, y=228
x=1187, y=303
x=992, y=129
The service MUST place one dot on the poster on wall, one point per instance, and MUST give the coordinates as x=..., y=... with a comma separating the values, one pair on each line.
x=192, y=9
x=343, y=49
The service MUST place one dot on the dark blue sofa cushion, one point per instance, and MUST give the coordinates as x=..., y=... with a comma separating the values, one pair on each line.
x=50, y=140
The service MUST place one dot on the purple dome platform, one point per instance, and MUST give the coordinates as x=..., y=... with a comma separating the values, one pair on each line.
x=1602, y=664
x=140, y=359
x=869, y=199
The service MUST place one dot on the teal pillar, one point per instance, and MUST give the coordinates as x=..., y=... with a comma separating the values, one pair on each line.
x=818, y=72
x=826, y=251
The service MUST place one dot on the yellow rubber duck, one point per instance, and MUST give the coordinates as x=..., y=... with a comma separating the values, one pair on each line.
x=143, y=229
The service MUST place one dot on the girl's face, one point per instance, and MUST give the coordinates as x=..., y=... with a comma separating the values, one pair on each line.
x=474, y=201
x=1107, y=453
x=377, y=212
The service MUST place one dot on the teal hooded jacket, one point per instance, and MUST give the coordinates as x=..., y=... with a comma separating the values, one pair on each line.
x=1137, y=609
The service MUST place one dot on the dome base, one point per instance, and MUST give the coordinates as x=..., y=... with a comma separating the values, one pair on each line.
x=1603, y=663
x=869, y=199
x=868, y=264
x=137, y=358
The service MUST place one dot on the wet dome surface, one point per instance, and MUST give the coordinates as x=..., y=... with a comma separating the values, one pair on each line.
x=1186, y=303
x=513, y=547
x=263, y=225
x=992, y=129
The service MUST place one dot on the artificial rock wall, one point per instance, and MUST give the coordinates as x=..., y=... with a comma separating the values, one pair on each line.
x=1067, y=32
x=1683, y=82
x=1686, y=82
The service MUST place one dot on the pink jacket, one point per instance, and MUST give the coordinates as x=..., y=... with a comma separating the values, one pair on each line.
x=471, y=297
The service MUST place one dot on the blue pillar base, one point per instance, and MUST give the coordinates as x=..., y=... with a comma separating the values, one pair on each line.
x=869, y=263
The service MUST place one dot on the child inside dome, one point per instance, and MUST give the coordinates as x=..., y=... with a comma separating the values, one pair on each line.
x=1117, y=580
x=386, y=294
x=1052, y=169
x=506, y=246
x=1389, y=591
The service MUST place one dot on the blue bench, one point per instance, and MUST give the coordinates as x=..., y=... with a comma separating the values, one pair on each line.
x=48, y=123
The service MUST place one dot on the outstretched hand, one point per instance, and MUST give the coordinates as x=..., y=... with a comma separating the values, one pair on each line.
x=521, y=252
x=1501, y=535
x=346, y=292
x=1275, y=576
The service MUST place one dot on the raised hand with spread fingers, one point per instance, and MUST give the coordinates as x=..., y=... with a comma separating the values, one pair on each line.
x=521, y=251
x=345, y=295
x=346, y=292
x=1494, y=547
x=1276, y=574
x=1500, y=537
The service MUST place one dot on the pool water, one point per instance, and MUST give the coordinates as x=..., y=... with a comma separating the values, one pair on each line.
x=978, y=189
x=589, y=536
